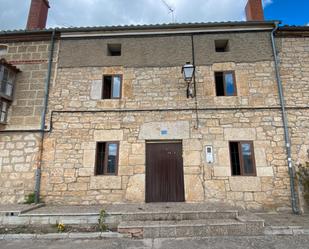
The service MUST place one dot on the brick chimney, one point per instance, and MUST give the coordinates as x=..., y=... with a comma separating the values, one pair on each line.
x=38, y=14
x=254, y=10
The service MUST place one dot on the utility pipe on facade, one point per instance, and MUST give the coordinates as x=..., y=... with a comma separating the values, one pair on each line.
x=194, y=81
x=43, y=116
x=294, y=199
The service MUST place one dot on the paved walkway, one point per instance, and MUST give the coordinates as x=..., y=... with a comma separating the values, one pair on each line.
x=271, y=219
x=283, y=219
x=260, y=242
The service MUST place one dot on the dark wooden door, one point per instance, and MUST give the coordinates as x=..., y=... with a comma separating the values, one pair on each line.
x=164, y=172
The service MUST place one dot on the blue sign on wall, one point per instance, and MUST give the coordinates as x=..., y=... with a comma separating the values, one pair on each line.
x=163, y=132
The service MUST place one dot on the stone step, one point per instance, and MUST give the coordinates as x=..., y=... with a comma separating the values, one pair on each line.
x=190, y=228
x=177, y=215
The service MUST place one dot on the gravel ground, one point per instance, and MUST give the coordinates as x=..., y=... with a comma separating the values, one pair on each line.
x=261, y=242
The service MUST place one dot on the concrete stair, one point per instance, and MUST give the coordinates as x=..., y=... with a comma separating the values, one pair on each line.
x=154, y=220
x=188, y=224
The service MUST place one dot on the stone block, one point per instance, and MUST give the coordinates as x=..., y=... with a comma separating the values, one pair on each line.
x=224, y=157
x=193, y=188
x=226, y=66
x=108, y=135
x=192, y=170
x=136, y=160
x=260, y=157
x=89, y=145
x=139, y=169
x=125, y=170
x=105, y=182
x=245, y=184
x=138, y=148
x=136, y=188
x=222, y=171
x=96, y=89
x=89, y=158
x=77, y=186
x=236, y=134
x=86, y=171
x=264, y=171
x=165, y=130
x=192, y=144
x=192, y=158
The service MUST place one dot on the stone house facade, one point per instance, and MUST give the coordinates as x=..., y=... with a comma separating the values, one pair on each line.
x=20, y=138
x=120, y=128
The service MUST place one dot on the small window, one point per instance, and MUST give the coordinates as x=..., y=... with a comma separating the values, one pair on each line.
x=114, y=49
x=242, y=158
x=107, y=158
x=3, y=50
x=4, y=106
x=6, y=81
x=225, y=84
x=112, y=87
x=222, y=45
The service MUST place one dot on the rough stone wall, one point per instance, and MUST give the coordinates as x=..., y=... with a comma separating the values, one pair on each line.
x=164, y=87
x=69, y=150
x=294, y=66
x=18, y=160
x=69, y=157
x=32, y=59
x=19, y=151
x=166, y=50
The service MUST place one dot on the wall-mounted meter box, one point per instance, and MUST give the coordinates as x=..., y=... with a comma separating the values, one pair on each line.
x=209, y=154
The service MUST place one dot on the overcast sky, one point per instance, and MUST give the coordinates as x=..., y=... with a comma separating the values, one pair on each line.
x=66, y=13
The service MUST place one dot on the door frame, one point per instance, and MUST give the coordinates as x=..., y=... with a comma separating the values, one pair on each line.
x=162, y=141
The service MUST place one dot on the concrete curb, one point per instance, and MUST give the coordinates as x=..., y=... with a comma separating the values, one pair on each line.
x=286, y=230
x=16, y=213
x=51, y=236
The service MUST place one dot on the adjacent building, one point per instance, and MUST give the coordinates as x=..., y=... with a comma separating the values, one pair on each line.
x=104, y=115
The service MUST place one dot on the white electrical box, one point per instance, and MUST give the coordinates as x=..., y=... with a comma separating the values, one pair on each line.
x=209, y=154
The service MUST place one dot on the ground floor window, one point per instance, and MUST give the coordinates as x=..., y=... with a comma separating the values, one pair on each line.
x=107, y=158
x=242, y=158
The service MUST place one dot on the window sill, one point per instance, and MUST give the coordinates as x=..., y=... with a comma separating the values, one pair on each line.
x=111, y=99
x=105, y=175
x=7, y=98
x=244, y=176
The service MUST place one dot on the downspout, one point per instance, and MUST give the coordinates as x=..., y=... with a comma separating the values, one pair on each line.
x=294, y=198
x=196, y=109
x=43, y=116
x=194, y=81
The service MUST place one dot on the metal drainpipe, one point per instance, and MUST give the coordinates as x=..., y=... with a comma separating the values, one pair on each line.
x=285, y=124
x=43, y=116
x=194, y=82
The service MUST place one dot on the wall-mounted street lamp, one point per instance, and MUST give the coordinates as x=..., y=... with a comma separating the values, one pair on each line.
x=188, y=72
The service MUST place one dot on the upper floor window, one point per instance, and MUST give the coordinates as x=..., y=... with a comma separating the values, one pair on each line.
x=7, y=78
x=111, y=87
x=114, y=49
x=3, y=49
x=222, y=45
x=3, y=110
x=107, y=158
x=242, y=158
x=225, y=83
